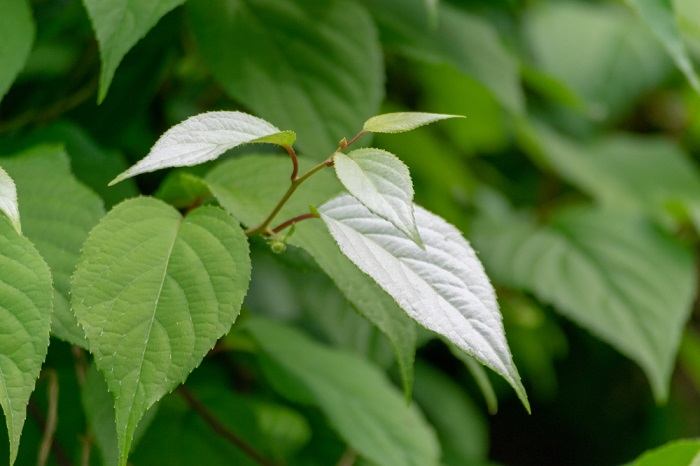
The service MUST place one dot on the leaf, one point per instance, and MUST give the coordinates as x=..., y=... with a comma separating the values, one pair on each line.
x=461, y=39
x=442, y=286
x=480, y=376
x=16, y=37
x=153, y=292
x=25, y=310
x=382, y=183
x=8, y=200
x=624, y=171
x=460, y=427
x=182, y=189
x=658, y=15
x=400, y=122
x=676, y=453
x=57, y=213
x=614, y=274
x=119, y=25
x=205, y=137
x=356, y=397
x=249, y=186
x=313, y=66
x=617, y=59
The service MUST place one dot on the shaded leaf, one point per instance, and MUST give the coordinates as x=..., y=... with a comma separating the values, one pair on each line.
x=16, y=38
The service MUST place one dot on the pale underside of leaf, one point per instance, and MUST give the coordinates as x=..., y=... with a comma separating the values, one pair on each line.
x=442, y=286
x=400, y=122
x=205, y=137
x=8, y=200
x=26, y=301
x=153, y=292
x=380, y=181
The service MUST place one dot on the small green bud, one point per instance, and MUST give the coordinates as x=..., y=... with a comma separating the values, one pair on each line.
x=277, y=246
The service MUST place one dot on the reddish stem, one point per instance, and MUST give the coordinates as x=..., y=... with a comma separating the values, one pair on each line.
x=292, y=221
x=295, y=161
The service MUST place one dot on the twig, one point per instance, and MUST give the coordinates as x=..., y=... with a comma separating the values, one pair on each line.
x=293, y=220
x=52, y=417
x=220, y=428
x=348, y=458
x=295, y=161
x=85, y=451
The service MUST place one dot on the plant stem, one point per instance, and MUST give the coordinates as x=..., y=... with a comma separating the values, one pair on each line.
x=293, y=220
x=58, y=451
x=220, y=428
x=51, y=419
x=263, y=227
x=348, y=458
x=295, y=161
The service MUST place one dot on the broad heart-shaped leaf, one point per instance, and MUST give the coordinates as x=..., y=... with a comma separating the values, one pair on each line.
x=614, y=274
x=635, y=173
x=8, y=200
x=316, y=67
x=249, y=187
x=463, y=40
x=617, y=58
x=659, y=17
x=676, y=453
x=57, y=213
x=442, y=286
x=153, y=292
x=16, y=38
x=358, y=400
x=26, y=301
x=205, y=137
x=382, y=182
x=119, y=24
x=400, y=122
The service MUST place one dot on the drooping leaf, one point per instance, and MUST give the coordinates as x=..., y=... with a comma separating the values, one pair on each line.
x=636, y=173
x=249, y=187
x=205, y=137
x=382, y=183
x=464, y=40
x=400, y=122
x=459, y=425
x=153, y=292
x=356, y=397
x=313, y=66
x=659, y=17
x=616, y=61
x=442, y=286
x=676, y=453
x=614, y=274
x=57, y=214
x=119, y=25
x=16, y=38
x=26, y=300
x=8, y=200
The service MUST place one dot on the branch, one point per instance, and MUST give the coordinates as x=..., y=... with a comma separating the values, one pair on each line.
x=293, y=220
x=58, y=451
x=220, y=428
x=52, y=417
x=295, y=161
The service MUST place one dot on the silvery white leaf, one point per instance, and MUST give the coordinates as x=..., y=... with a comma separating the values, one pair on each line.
x=8, y=199
x=205, y=137
x=382, y=182
x=442, y=286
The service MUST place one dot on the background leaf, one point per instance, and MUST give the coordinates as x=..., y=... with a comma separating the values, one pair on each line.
x=16, y=39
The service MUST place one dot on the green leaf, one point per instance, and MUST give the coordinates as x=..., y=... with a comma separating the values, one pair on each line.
x=8, y=200
x=400, y=122
x=382, y=183
x=313, y=66
x=466, y=41
x=16, y=38
x=676, y=453
x=442, y=285
x=153, y=292
x=358, y=400
x=616, y=61
x=119, y=25
x=624, y=171
x=249, y=187
x=659, y=17
x=26, y=302
x=460, y=427
x=205, y=137
x=614, y=274
x=182, y=190
x=57, y=213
